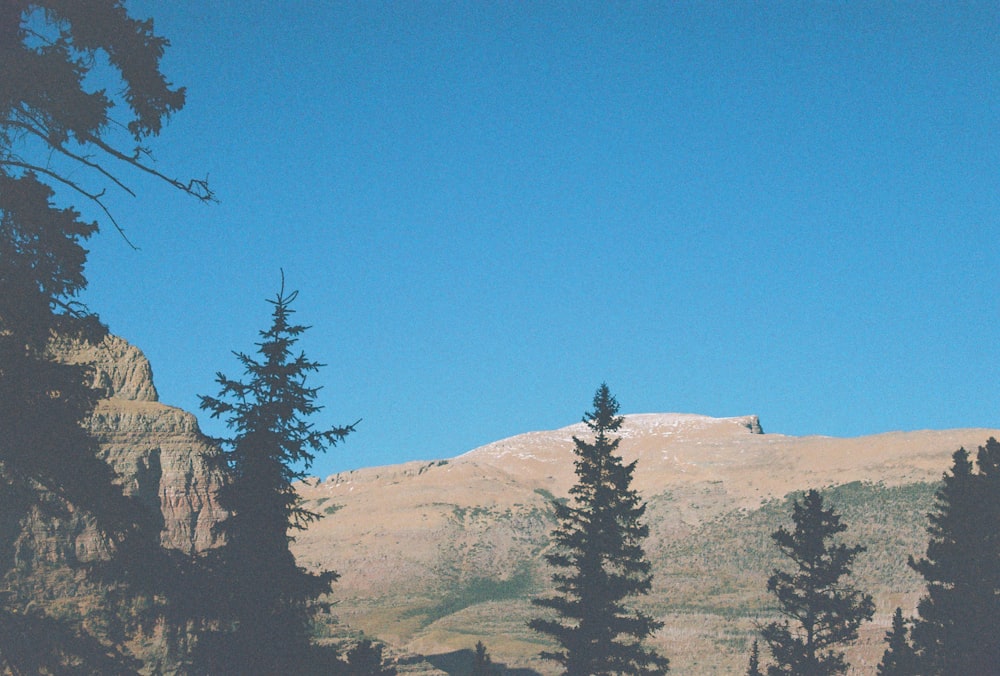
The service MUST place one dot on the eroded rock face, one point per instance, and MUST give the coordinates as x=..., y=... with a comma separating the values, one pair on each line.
x=120, y=368
x=159, y=451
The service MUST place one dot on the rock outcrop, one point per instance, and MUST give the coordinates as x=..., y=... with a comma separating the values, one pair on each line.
x=159, y=452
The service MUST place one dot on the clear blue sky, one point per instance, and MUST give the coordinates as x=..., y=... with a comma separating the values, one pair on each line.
x=788, y=209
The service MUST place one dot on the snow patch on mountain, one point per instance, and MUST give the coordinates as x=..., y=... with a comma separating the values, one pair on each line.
x=537, y=446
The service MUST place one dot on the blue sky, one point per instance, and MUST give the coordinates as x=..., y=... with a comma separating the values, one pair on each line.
x=788, y=209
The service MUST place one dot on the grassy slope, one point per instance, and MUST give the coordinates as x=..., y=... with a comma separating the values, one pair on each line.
x=709, y=584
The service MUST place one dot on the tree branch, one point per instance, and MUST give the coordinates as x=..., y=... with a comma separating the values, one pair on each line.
x=94, y=197
x=79, y=158
x=195, y=187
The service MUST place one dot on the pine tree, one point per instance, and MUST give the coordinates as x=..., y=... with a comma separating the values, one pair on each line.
x=482, y=665
x=365, y=659
x=955, y=632
x=899, y=658
x=264, y=598
x=821, y=612
x=753, y=668
x=600, y=561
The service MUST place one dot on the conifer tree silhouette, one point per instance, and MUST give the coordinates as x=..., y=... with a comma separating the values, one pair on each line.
x=821, y=612
x=482, y=664
x=753, y=666
x=264, y=599
x=365, y=659
x=600, y=560
x=955, y=632
x=899, y=658
x=56, y=131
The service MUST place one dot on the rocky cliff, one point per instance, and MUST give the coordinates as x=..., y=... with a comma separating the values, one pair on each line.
x=159, y=452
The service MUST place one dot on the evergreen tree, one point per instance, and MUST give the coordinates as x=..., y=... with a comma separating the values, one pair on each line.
x=482, y=665
x=899, y=658
x=55, y=131
x=753, y=668
x=955, y=632
x=265, y=600
x=821, y=612
x=48, y=48
x=365, y=659
x=600, y=561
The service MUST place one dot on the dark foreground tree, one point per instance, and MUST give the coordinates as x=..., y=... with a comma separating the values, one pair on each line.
x=822, y=612
x=56, y=125
x=753, y=666
x=55, y=131
x=264, y=599
x=956, y=631
x=899, y=658
x=365, y=659
x=482, y=664
x=600, y=560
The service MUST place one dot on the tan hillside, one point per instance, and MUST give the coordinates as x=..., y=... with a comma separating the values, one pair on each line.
x=437, y=555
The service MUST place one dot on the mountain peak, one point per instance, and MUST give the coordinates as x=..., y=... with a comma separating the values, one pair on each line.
x=638, y=427
x=120, y=369
x=427, y=550
x=667, y=424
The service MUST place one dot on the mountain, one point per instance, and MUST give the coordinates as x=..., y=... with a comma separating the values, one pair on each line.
x=161, y=458
x=435, y=556
x=158, y=450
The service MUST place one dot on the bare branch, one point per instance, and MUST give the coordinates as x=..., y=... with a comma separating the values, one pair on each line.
x=82, y=159
x=94, y=197
x=194, y=187
x=73, y=308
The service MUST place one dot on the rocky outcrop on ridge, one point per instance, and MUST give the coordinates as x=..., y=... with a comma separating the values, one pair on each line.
x=159, y=451
x=119, y=368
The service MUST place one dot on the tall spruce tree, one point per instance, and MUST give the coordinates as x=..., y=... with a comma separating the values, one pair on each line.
x=264, y=599
x=56, y=131
x=899, y=658
x=482, y=663
x=822, y=612
x=600, y=561
x=956, y=631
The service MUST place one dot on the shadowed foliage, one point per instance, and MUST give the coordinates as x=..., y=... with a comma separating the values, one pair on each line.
x=482, y=663
x=54, y=131
x=462, y=662
x=955, y=632
x=365, y=659
x=753, y=666
x=899, y=658
x=55, y=126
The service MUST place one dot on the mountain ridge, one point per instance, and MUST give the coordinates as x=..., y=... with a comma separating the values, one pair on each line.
x=431, y=553
x=435, y=555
